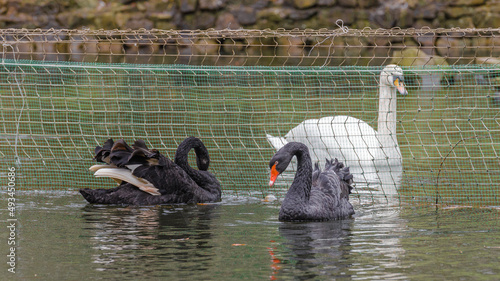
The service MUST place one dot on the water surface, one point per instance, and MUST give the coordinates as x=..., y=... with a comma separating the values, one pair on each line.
x=61, y=237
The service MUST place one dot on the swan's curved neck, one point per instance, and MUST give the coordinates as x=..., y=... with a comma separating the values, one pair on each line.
x=301, y=185
x=386, y=129
x=181, y=155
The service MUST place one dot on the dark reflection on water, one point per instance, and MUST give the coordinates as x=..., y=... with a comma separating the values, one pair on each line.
x=318, y=247
x=168, y=239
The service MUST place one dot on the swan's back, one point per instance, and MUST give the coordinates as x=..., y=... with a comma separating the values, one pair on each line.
x=330, y=192
x=328, y=199
x=342, y=137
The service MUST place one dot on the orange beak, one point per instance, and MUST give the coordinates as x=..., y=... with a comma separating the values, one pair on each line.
x=274, y=175
x=400, y=86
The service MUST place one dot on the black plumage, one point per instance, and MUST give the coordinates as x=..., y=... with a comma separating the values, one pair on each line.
x=314, y=195
x=148, y=178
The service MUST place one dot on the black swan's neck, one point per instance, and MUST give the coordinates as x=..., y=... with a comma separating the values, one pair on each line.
x=202, y=157
x=201, y=177
x=300, y=189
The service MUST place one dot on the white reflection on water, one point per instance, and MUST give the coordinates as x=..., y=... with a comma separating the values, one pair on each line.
x=367, y=246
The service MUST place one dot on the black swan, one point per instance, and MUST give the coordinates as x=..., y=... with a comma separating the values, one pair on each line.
x=148, y=178
x=314, y=195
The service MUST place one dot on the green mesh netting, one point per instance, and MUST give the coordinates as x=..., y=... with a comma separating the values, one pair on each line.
x=53, y=114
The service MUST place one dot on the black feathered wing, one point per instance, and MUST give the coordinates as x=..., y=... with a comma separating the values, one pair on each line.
x=330, y=191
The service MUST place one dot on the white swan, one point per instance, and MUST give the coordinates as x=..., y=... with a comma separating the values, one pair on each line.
x=373, y=156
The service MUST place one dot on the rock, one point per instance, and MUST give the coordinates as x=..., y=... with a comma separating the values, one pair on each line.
x=144, y=45
x=70, y=19
x=110, y=47
x=450, y=47
x=227, y=20
x=275, y=14
x=206, y=46
x=231, y=46
x=420, y=23
x=485, y=46
x=187, y=6
x=165, y=25
x=414, y=56
x=88, y=3
x=211, y=4
x=164, y=16
x=491, y=7
x=458, y=12
x=428, y=12
x=367, y=3
x=486, y=19
x=392, y=16
x=426, y=39
x=205, y=20
x=326, y=2
x=106, y=20
x=466, y=2
x=328, y=18
x=291, y=46
x=302, y=14
x=304, y=4
x=245, y=15
x=138, y=22
x=140, y=6
x=463, y=22
x=260, y=4
x=347, y=3
x=360, y=24
x=362, y=14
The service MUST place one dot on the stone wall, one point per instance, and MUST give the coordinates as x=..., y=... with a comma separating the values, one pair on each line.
x=248, y=14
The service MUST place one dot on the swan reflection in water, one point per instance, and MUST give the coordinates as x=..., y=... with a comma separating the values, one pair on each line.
x=149, y=237
x=333, y=249
x=318, y=248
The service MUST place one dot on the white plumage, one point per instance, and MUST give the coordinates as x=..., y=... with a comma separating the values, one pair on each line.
x=373, y=155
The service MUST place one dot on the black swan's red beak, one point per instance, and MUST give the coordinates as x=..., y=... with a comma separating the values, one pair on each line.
x=274, y=175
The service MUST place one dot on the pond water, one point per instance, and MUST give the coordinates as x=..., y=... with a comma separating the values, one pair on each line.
x=61, y=237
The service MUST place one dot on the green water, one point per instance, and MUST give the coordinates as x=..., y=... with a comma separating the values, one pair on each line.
x=60, y=237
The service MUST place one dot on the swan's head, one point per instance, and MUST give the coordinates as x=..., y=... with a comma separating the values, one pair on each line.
x=276, y=166
x=392, y=75
x=280, y=161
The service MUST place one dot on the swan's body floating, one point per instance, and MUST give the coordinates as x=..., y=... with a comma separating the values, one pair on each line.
x=373, y=156
x=148, y=178
x=313, y=195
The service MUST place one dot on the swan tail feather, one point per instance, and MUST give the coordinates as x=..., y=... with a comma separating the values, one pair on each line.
x=276, y=142
x=316, y=172
x=102, y=153
x=120, y=154
x=342, y=172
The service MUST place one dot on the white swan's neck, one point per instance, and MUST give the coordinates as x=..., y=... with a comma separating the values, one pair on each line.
x=386, y=129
